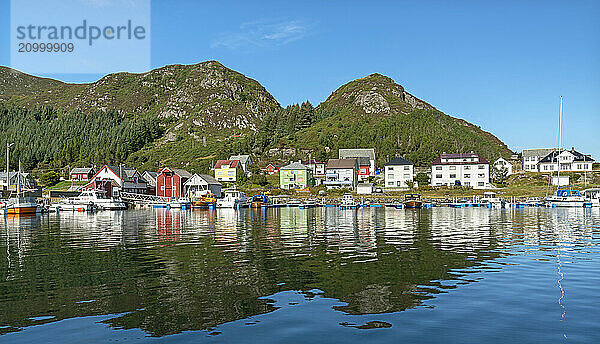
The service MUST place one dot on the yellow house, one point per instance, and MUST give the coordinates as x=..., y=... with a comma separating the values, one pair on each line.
x=227, y=170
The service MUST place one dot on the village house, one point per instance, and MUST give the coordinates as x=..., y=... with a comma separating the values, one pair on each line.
x=398, y=172
x=503, y=164
x=317, y=167
x=272, y=169
x=468, y=169
x=340, y=173
x=570, y=160
x=227, y=170
x=200, y=184
x=25, y=179
x=81, y=174
x=170, y=181
x=117, y=179
x=365, y=170
x=150, y=177
x=295, y=176
x=244, y=160
x=532, y=156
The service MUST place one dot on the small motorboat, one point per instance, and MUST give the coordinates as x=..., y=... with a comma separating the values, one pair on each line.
x=566, y=198
x=412, y=201
x=348, y=202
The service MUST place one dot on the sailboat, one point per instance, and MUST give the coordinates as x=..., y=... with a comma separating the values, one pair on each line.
x=563, y=197
x=19, y=204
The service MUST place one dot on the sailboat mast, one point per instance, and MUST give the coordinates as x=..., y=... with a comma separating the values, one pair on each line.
x=559, y=140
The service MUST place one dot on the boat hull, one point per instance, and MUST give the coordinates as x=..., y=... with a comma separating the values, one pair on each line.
x=413, y=204
x=22, y=210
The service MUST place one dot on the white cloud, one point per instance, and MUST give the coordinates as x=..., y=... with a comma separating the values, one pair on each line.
x=263, y=34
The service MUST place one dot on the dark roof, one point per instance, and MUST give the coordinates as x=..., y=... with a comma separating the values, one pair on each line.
x=398, y=161
x=231, y=163
x=125, y=173
x=578, y=156
x=295, y=166
x=438, y=161
x=341, y=163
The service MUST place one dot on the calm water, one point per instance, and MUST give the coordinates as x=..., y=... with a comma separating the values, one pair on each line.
x=289, y=275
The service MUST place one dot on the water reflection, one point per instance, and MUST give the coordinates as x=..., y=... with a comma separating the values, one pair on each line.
x=169, y=271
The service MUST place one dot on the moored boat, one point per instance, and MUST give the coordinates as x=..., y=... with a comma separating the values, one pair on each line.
x=412, y=201
x=566, y=198
x=259, y=201
x=348, y=202
x=233, y=199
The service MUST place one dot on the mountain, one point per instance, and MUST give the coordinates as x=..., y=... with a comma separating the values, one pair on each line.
x=190, y=115
x=376, y=112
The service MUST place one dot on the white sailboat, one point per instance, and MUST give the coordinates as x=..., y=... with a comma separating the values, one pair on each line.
x=19, y=204
x=563, y=197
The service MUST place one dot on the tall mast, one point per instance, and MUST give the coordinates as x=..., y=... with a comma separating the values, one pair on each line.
x=559, y=140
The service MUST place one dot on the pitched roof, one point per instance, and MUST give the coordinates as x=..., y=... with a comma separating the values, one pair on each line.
x=578, y=156
x=210, y=180
x=536, y=152
x=341, y=163
x=231, y=163
x=312, y=162
x=398, y=161
x=125, y=173
x=242, y=158
x=345, y=153
x=439, y=161
x=151, y=174
x=79, y=170
x=295, y=166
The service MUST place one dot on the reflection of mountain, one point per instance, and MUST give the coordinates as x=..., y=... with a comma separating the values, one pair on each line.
x=375, y=260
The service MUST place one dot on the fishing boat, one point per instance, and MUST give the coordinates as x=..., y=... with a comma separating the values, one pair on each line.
x=259, y=201
x=19, y=204
x=99, y=200
x=233, y=199
x=206, y=201
x=412, y=201
x=592, y=196
x=491, y=200
x=348, y=202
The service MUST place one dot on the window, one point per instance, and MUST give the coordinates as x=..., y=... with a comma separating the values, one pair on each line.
x=406, y=176
x=452, y=168
x=481, y=175
x=390, y=168
x=438, y=176
x=390, y=176
x=467, y=183
x=391, y=183
x=398, y=183
x=438, y=168
x=452, y=175
x=480, y=184
x=467, y=167
x=467, y=175
x=406, y=168
x=481, y=167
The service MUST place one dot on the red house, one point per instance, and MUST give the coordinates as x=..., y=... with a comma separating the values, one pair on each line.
x=169, y=182
x=271, y=169
x=81, y=173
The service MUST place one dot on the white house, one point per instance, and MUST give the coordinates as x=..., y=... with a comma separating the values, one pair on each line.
x=503, y=164
x=245, y=161
x=532, y=156
x=468, y=169
x=341, y=173
x=200, y=184
x=570, y=160
x=398, y=172
x=114, y=179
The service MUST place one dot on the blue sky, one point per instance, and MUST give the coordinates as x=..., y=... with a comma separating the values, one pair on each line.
x=499, y=64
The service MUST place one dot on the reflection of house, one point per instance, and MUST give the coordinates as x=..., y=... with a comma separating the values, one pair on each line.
x=467, y=169
x=398, y=172
x=23, y=178
x=227, y=170
x=199, y=184
x=369, y=153
x=295, y=176
x=81, y=173
x=317, y=167
x=114, y=179
x=503, y=164
x=341, y=173
x=570, y=160
x=169, y=182
x=150, y=177
x=244, y=160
